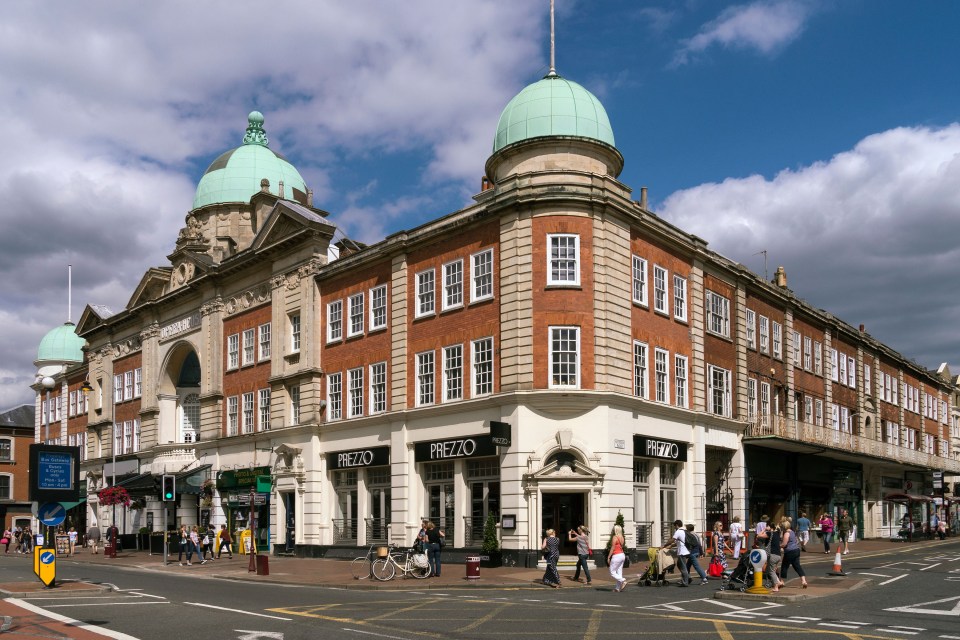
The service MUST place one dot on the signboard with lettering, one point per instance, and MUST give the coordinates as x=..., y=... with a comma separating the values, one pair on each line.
x=241, y=477
x=243, y=499
x=181, y=326
x=469, y=447
x=658, y=448
x=54, y=473
x=372, y=457
x=501, y=433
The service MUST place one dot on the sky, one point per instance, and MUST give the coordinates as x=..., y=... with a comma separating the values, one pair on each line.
x=816, y=135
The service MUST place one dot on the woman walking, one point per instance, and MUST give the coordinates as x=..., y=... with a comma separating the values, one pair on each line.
x=615, y=557
x=826, y=531
x=195, y=545
x=769, y=541
x=225, y=542
x=790, y=551
x=736, y=536
x=551, y=548
x=582, y=537
x=718, y=549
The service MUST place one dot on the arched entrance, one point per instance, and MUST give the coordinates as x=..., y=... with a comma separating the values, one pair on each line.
x=180, y=396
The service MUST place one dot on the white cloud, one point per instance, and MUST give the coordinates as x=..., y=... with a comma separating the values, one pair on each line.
x=870, y=235
x=763, y=26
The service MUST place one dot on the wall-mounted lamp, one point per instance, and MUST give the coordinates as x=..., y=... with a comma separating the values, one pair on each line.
x=86, y=387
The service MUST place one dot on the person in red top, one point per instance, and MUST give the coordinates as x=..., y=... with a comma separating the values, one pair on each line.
x=826, y=531
x=225, y=542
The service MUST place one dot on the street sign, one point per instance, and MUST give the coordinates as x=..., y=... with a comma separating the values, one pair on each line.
x=54, y=473
x=52, y=513
x=46, y=567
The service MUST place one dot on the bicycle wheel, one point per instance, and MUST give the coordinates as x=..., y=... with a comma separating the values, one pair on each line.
x=418, y=572
x=383, y=569
x=361, y=568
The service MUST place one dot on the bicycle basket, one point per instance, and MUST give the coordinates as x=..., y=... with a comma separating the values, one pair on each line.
x=383, y=552
x=420, y=560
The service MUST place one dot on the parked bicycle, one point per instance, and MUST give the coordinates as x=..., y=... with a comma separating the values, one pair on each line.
x=408, y=562
x=362, y=567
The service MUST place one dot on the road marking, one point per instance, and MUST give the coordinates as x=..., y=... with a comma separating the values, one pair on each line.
x=892, y=630
x=787, y=620
x=116, y=635
x=99, y=604
x=371, y=633
x=566, y=602
x=879, y=575
x=840, y=626
x=918, y=608
x=805, y=619
x=249, y=613
x=931, y=566
x=468, y=596
x=893, y=579
x=531, y=600
x=617, y=606
x=950, y=637
x=256, y=635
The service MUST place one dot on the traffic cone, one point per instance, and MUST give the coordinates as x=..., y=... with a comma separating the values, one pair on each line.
x=837, y=569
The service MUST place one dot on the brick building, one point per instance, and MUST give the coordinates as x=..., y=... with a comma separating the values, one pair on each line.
x=352, y=388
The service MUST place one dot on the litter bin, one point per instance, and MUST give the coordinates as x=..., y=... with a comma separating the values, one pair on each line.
x=263, y=565
x=473, y=567
x=110, y=549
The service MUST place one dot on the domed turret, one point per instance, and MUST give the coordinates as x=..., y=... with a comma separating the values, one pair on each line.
x=60, y=346
x=554, y=124
x=235, y=176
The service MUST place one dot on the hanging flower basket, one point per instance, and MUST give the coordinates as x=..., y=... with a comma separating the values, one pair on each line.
x=114, y=495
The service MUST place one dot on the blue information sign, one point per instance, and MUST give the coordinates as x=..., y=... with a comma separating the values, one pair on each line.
x=47, y=557
x=55, y=470
x=52, y=513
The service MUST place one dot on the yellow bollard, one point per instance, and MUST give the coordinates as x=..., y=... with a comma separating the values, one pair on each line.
x=758, y=559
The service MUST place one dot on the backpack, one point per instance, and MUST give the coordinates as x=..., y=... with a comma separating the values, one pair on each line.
x=691, y=542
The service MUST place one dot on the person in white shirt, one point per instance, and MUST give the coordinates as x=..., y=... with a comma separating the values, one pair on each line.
x=736, y=536
x=679, y=537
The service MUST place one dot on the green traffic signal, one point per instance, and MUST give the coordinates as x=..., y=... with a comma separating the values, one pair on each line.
x=169, y=490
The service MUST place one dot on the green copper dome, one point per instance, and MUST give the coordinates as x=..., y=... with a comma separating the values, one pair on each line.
x=61, y=345
x=235, y=176
x=553, y=106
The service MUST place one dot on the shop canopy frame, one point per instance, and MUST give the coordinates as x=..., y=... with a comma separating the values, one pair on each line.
x=909, y=500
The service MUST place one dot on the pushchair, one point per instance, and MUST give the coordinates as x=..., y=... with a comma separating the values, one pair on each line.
x=660, y=562
x=740, y=577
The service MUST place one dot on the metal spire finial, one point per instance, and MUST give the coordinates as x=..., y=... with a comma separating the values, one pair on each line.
x=553, y=55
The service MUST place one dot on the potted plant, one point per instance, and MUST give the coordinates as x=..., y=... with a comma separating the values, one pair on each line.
x=490, y=554
x=601, y=559
x=206, y=493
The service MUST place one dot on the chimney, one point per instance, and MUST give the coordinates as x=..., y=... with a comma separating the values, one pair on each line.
x=780, y=277
x=643, y=198
x=862, y=327
x=485, y=184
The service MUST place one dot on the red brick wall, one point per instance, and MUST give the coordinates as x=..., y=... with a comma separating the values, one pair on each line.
x=718, y=351
x=126, y=409
x=251, y=377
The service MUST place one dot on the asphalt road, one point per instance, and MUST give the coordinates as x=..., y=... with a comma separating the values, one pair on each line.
x=912, y=593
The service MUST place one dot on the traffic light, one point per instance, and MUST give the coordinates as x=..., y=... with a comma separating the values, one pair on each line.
x=169, y=489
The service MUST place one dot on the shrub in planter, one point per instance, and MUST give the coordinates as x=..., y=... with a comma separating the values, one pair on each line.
x=490, y=554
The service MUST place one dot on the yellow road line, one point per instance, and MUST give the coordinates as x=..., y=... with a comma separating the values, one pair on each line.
x=479, y=621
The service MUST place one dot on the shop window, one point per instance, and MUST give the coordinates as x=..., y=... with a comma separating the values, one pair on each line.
x=378, y=486
x=484, y=481
x=345, y=524
x=438, y=479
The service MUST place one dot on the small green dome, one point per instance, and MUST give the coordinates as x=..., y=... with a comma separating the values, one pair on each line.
x=235, y=176
x=553, y=106
x=61, y=345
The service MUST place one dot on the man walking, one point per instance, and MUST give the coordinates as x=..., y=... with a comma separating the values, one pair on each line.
x=93, y=535
x=844, y=527
x=678, y=541
x=803, y=530
x=694, y=546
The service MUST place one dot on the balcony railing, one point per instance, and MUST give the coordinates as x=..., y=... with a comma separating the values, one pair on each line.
x=472, y=531
x=344, y=531
x=644, y=534
x=822, y=436
x=377, y=529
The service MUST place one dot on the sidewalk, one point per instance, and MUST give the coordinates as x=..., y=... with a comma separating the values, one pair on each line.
x=337, y=573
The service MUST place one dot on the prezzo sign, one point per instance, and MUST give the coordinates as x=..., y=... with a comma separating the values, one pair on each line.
x=469, y=447
x=372, y=457
x=180, y=326
x=663, y=449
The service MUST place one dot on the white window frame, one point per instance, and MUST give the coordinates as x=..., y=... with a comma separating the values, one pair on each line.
x=680, y=298
x=233, y=351
x=247, y=415
x=426, y=294
x=751, y=398
x=335, y=321
x=717, y=314
x=559, y=261
x=777, y=336
x=818, y=412
x=842, y=361
x=296, y=405
x=660, y=290
x=751, y=329
x=335, y=396
x=295, y=333
x=834, y=370
x=263, y=409
x=721, y=392
x=481, y=361
x=641, y=370
x=807, y=353
x=263, y=341
x=378, y=387
x=426, y=378
x=681, y=375
x=452, y=285
x=852, y=372
x=356, y=314
x=355, y=390
x=453, y=373
x=127, y=389
x=561, y=361
x=796, y=350
x=817, y=358
x=378, y=308
x=661, y=358
x=233, y=415
x=765, y=399
x=248, y=351
x=764, y=334
x=481, y=276
x=640, y=295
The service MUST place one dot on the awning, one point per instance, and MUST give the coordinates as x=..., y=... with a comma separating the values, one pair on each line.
x=906, y=498
x=71, y=505
x=190, y=482
x=140, y=484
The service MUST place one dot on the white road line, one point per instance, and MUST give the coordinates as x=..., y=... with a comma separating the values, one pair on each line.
x=468, y=596
x=721, y=603
x=616, y=606
x=950, y=637
x=566, y=602
x=805, y=619
x=906, y=633
x=900, y=626
x=787, y=620
x=893, y=579
x=668, y=607
x=99, y=604
x=371, y=633
x=931, y=566
x=879, y=575
x=862, y=624
x=116, y=635
x=529, y=600
x=840, y=626
x=249, y=613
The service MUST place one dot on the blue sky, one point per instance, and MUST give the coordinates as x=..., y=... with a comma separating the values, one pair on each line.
x=823, y=133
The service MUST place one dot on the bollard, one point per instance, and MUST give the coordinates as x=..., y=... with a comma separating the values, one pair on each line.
x=473, y=567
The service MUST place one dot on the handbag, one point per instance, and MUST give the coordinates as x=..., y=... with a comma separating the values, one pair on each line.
x=715, y=569
x=626, y=561
x=4, y=540
x=589, y=551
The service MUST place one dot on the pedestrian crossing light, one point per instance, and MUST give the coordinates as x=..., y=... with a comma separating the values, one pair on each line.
x=169, y=488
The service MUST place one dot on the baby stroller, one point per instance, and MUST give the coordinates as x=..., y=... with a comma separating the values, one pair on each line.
x=660, y=563
x=740, y=577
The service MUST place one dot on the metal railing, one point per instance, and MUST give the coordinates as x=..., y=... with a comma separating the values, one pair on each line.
x=344, y=531
x=823, y=436
x=377, y=530
x=472, y=531
x=644, y=534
